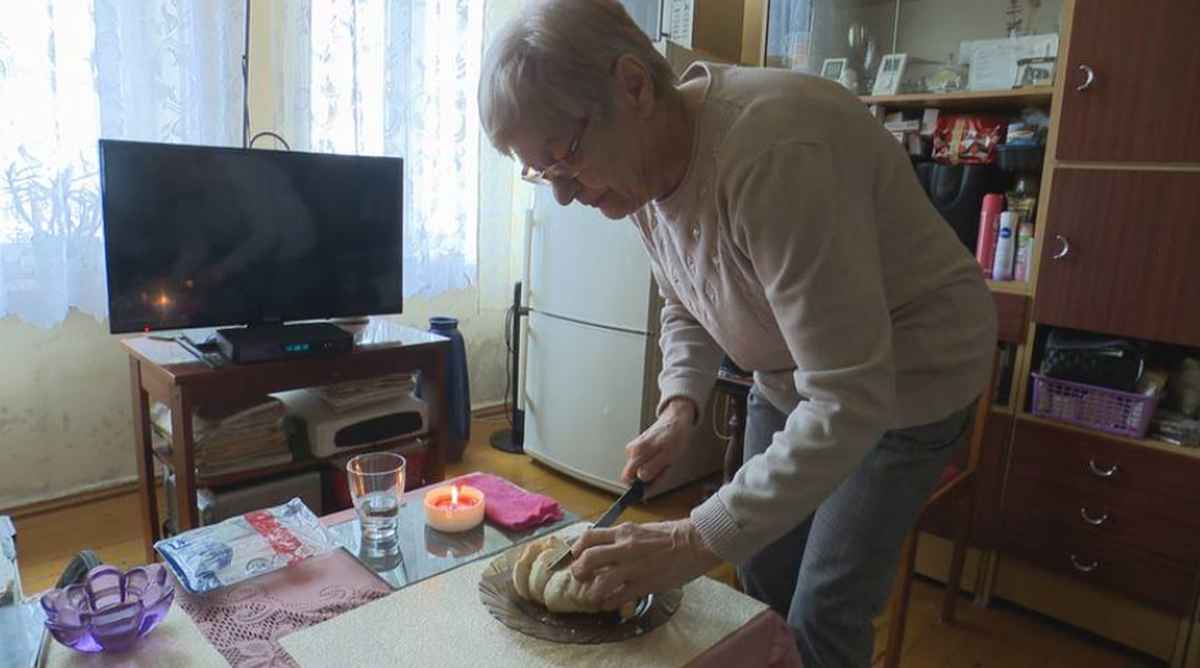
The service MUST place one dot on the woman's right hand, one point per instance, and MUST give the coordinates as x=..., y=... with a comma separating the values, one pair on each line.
x=663, y=444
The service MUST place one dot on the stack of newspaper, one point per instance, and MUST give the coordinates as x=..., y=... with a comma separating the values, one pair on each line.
x=10, y=578
x=348, y=396
x=234, y=437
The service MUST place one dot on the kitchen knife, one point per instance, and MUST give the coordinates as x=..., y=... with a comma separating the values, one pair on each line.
x=631, y=496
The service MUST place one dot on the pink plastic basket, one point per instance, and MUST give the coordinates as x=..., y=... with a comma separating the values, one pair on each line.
x=1108, y=410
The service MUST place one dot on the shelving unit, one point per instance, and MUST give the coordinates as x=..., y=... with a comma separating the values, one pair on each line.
x=1036, y=96
x=162, y=371
x=1150, y=443
x=1010, y=287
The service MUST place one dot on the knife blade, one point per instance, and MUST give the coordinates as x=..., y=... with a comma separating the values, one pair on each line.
x=631, y=496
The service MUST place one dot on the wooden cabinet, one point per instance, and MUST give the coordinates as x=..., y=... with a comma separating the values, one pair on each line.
x=1122, y=254
x=1132, y=92
x=161, y=371
x=1113, y=514
x=1012, y=317
x=1110, y=525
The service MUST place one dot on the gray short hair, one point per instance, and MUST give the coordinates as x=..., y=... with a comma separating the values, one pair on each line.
x=553, y=62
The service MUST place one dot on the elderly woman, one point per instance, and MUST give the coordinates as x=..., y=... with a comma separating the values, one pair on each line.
x=785, y=228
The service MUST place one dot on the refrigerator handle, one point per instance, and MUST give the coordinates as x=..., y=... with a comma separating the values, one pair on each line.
x=527, y=251
x=522, y=340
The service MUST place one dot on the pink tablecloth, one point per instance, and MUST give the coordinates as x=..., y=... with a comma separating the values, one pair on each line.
x=765, y=641
x=245, y=621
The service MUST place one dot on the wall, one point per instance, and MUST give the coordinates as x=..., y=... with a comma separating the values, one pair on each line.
x=932, y=29
x=928, y=32
x=718, y=28
x=64, y=410
x=754, y=27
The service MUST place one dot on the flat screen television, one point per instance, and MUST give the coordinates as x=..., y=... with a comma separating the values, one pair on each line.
x=198, y=236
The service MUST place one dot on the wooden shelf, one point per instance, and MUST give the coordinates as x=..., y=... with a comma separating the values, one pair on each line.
x=162, y=452
x=1010, y=287
x=1035, y=96
x=1139, y=442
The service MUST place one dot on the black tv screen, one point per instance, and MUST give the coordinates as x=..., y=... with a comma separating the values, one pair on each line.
x=201, y=236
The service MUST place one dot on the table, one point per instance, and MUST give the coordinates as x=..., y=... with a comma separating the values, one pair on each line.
x=425, y=552
x=163, y=371
x=245, y=621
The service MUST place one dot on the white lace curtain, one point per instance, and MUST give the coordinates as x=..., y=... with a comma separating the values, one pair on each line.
x=391, y=77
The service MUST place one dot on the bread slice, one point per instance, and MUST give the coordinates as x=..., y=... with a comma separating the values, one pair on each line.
x=560, y=591
x=520, y=573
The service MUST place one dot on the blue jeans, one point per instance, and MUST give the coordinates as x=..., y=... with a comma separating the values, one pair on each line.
x=832, y=574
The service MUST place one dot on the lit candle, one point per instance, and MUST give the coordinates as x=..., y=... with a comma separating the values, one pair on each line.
x=453, y=509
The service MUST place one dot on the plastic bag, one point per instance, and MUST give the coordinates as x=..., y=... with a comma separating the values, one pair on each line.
x=242, y=547
x=968, y=140
x=1093, y=359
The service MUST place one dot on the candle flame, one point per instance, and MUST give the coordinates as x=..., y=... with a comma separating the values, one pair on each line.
x=454, y=496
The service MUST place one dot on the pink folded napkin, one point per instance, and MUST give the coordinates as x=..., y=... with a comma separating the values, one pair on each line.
x=510, y=506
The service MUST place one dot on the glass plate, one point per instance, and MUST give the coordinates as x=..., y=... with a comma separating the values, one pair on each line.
x=500, y=597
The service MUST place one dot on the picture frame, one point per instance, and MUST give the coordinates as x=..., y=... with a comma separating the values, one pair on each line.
x=832, y=68
x=1035, y=72
x=891, y=73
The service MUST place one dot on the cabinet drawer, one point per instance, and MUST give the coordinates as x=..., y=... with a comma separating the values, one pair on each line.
x=1139, y=573
x=1119, y=254
x=1100, y=518
x=1127, y=476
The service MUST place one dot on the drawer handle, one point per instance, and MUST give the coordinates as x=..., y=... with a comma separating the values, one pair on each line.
x=1084, y=568
x=1102, y=473
x=1064, y=247
x=1094, y=521
x=1089, y=78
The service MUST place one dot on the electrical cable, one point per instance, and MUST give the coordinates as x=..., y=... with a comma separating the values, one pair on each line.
x=267, y=133
x=508, y=347
x=246, y=142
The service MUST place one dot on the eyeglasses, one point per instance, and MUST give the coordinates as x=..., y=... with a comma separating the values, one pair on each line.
x=563, y=168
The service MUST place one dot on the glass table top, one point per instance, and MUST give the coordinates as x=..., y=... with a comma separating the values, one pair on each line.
x=425, y=552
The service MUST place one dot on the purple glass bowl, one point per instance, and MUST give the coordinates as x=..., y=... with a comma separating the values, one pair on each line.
x=110, y=610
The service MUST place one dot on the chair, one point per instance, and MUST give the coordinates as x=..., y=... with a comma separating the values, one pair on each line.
x=959, y=485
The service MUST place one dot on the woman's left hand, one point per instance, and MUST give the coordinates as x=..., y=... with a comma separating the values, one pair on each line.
x=631, y=560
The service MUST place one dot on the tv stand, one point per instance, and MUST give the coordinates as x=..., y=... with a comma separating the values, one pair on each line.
x=269, y=343
x=164, y=372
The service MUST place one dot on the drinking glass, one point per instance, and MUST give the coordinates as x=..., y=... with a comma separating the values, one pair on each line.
x=376, y=481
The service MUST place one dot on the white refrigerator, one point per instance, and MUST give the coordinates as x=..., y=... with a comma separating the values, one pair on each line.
x=591, y=356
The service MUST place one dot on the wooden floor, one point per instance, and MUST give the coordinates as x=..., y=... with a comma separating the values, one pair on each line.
x=1000, y=637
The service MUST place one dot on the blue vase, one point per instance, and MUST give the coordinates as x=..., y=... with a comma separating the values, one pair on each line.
x=458, y=387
